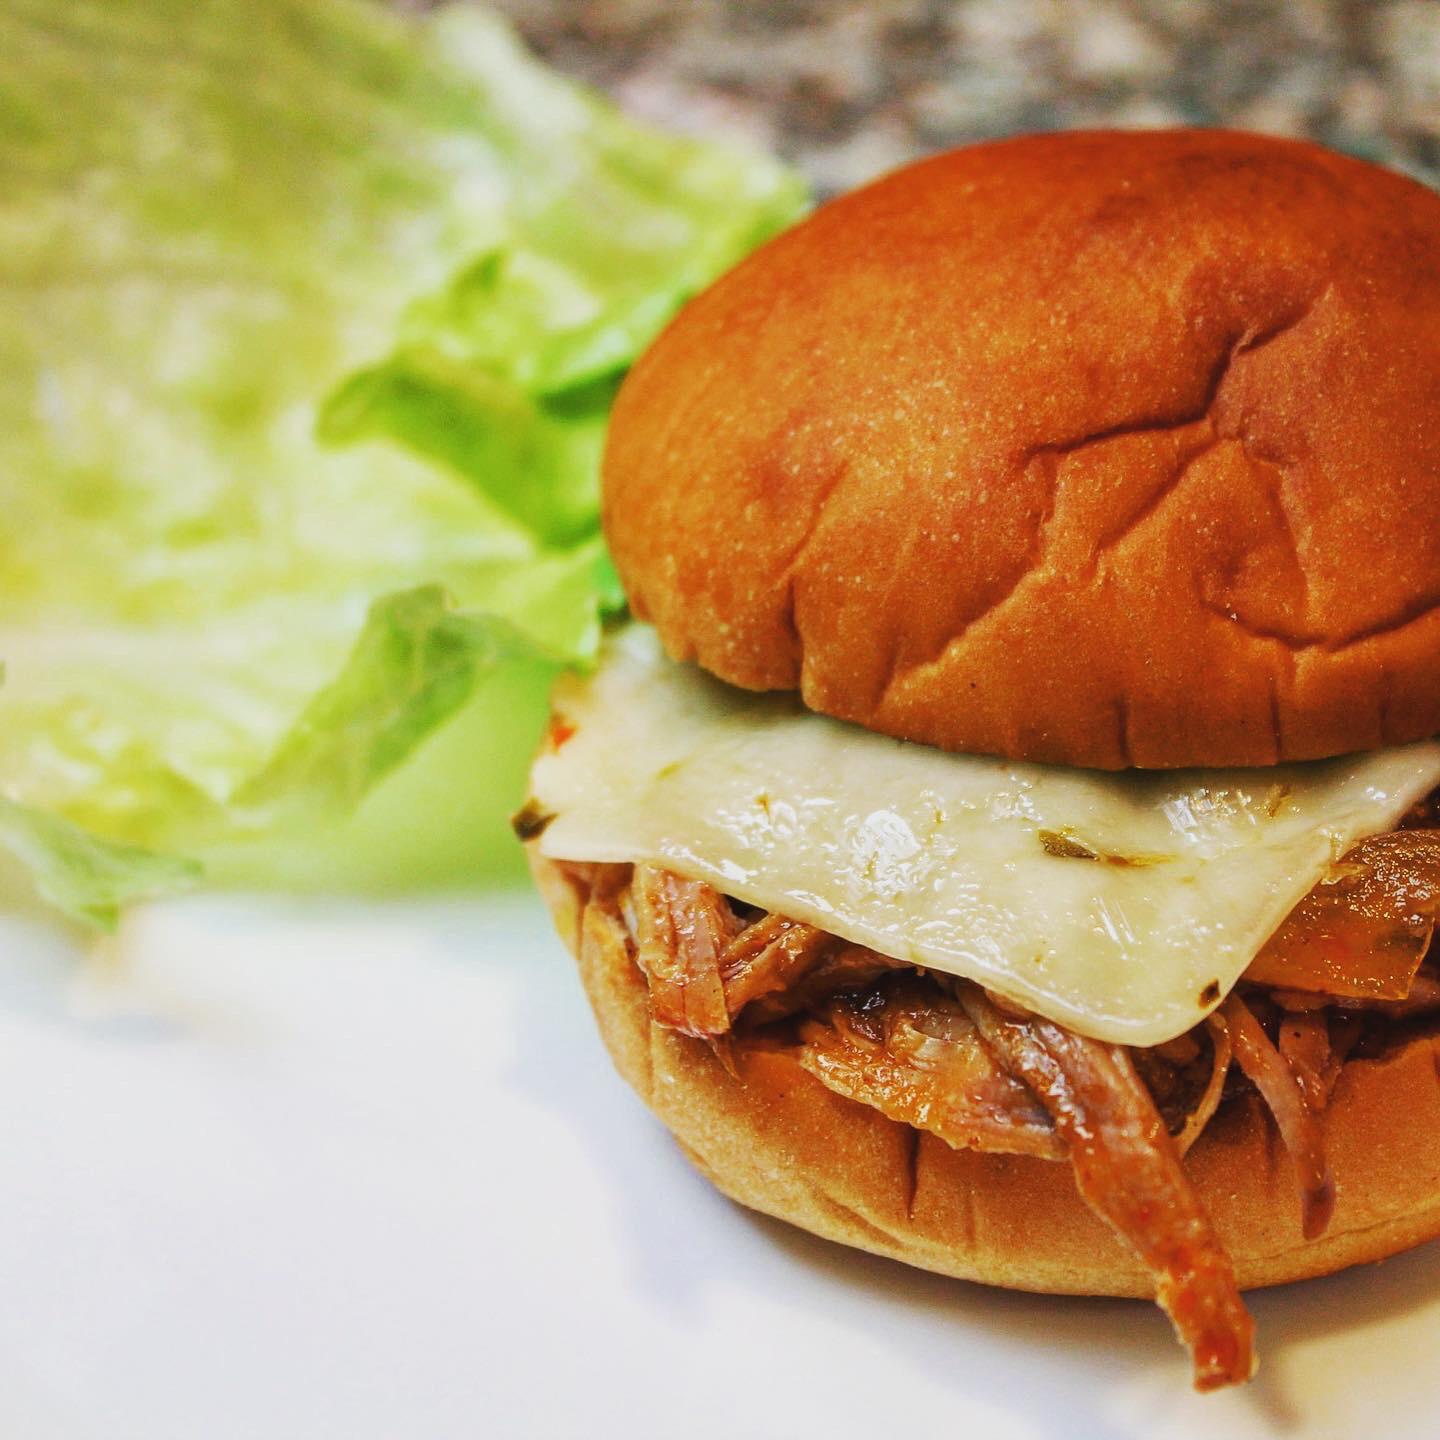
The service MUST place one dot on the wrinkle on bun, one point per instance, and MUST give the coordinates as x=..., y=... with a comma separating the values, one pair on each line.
x=1104, y=449
x=774, y=1138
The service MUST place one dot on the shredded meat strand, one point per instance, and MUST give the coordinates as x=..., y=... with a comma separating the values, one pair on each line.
x=916, y=1058
x=1181, y=1051
x=1128, y=1172
x=1298, y=1123
x=682, y=926
x=836, y=972
x=769, y=957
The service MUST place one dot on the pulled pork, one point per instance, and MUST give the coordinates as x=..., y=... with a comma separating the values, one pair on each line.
x=1128, y=1171
x=944, y=1055
x=681, y=930
x=915, y=1055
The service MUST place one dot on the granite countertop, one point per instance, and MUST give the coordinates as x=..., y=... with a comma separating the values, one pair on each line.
x=845, y=89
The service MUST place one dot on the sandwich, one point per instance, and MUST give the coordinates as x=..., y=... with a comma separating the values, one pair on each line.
x=1006, y=837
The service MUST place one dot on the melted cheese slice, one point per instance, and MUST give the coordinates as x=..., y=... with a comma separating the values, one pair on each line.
x=1122, y=905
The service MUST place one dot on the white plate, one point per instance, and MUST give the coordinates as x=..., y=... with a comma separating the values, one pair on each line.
x=299, y=1170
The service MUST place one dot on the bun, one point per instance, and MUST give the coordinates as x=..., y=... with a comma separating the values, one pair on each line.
x=777, y=1140
x=1102, y=449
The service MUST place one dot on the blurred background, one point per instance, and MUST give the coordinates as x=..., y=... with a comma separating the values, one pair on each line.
x=845, y=90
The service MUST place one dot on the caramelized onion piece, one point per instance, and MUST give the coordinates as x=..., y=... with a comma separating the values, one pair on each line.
x=1363, y=931
x=914, y=1056
x=1298, y=1124
x=681, y=928
x=1422, y=999
x=1128, y=1172
x=1305, y=1048
x=1214, y=1091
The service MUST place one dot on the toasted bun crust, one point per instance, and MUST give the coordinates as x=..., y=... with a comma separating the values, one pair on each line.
x=777, y=1140
x=1101, y=449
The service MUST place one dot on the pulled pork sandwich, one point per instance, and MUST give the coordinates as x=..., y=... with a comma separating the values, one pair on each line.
x=1014, y=847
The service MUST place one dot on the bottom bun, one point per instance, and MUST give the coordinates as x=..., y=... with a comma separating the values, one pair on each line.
x=774, y=1138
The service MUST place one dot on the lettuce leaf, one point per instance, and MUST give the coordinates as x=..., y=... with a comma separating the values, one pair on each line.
x=310, y=319
x=84, y=876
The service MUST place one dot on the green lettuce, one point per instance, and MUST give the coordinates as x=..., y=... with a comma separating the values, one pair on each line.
x=85, y=876
x=311, y=316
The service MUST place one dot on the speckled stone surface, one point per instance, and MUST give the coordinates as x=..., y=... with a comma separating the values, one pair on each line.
x=846, y=90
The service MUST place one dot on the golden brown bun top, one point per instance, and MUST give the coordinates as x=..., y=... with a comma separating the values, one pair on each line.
x=1106, y=449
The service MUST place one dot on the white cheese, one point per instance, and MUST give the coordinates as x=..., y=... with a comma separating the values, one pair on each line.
x=950, y=861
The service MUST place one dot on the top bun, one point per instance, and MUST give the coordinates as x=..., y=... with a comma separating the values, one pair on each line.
x=1101, y=449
